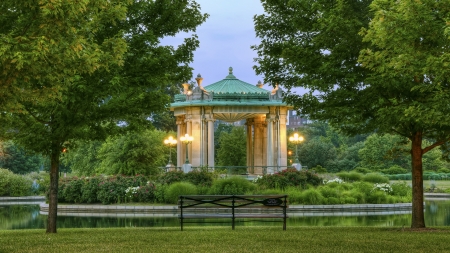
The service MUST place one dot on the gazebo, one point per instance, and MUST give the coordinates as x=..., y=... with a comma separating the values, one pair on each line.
x=232, y=100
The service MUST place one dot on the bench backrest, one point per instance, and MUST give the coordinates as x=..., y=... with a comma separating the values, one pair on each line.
x=232, y=201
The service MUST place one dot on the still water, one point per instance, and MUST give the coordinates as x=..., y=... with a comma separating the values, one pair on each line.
x=437, y=213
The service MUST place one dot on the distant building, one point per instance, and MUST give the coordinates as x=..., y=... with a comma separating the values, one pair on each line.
x=294, y=120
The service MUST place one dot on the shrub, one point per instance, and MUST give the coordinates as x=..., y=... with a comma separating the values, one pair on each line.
x=231, y=186
x=375, y=178
x=5, y=178
x=112, y=190
x=395, y=169
x=289, y=177
x=146, y=193
x=72, y=192
x=362, y=170
x=19, y=186
x=312, y=197
x=329, y=192
x=319, y=169
x=179, y=188
x=376, y=197
x=90, y=189
x=160, y=193
x=401, y=189
x=199, y=178
x=295, y=195
x=444, y=170
x=171, y=177
x=352, y=176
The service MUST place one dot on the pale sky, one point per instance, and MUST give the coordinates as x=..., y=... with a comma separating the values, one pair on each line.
x=225, y=40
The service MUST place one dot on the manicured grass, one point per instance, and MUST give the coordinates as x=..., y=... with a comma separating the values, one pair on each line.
x=223, y=239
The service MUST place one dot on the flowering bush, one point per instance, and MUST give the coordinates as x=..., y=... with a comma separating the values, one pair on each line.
x=335, y=180
x=131, y=193
x=383, y=187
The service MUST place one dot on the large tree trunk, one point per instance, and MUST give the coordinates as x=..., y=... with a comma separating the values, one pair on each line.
x=418, y=220
x=53, y=197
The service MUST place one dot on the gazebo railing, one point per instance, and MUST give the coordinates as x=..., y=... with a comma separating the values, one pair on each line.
x=236, y=170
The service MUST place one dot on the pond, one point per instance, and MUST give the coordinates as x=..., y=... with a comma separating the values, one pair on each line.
x=437, y=213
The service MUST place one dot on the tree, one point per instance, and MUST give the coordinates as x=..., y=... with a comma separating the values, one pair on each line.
x=316, y=152
x=383, y=68
x=134, y=153
x=82, y=158
x=96, y=89
x=233, y=149
x=17, y=160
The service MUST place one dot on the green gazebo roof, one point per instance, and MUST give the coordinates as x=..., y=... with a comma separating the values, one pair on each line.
x=232, y=85
x=227, y=92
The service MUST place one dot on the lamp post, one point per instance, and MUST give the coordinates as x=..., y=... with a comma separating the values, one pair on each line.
x=186, y=139
x=296, y=139
x=170, y=142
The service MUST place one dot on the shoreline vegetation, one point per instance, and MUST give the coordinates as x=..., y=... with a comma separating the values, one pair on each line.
x=303, y=187
x=223, y=239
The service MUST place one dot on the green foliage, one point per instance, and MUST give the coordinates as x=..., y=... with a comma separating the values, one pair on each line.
x=368, y=66
x=401, y=189
x=73, y=191
x=312, y=197
x=232, y=151
x=375, y=178
x=17, y=160
x=89, y=190
x=231, y=186
x=395, y=169
x=160, y=193
x=134, y=153
x=199, y=178
x=177, y=189
x=14, y=185
x=362, y=170
x=171, y=177
x=5, y=176
x=83, y=157
x=19, y=186
x=340, y=165
x=351, y=176
x=316, y=152
x=288, y=177
x=146, y=193
x=319, y=169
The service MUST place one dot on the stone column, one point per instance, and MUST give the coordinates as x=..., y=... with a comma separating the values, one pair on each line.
x=270, y=119
x=188, y=123
x=211, y=142
x=282, y=137
x=250, y=156
x=180, y=146
x=259, y=144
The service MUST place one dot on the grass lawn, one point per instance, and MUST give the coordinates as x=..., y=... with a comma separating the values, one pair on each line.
x=223, y=239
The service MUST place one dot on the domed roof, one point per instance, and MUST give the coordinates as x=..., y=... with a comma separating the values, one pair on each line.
x=232, y=85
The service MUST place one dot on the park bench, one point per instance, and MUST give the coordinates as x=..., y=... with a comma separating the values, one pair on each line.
x=232, y=207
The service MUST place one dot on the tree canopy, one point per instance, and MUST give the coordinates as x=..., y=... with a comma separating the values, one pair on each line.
x=98, y=63
x=369, y=66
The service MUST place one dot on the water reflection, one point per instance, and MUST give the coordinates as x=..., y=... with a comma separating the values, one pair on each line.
x=437, y=213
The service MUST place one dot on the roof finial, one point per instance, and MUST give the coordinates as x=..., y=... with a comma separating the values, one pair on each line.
x=260, y=84
x=199, y=80
x=230, y=70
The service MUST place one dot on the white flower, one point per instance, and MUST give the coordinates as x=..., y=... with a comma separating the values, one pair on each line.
x=383, y=187
x=335, y=180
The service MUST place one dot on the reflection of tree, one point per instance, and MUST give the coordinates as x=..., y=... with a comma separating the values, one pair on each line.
x=20, y=216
